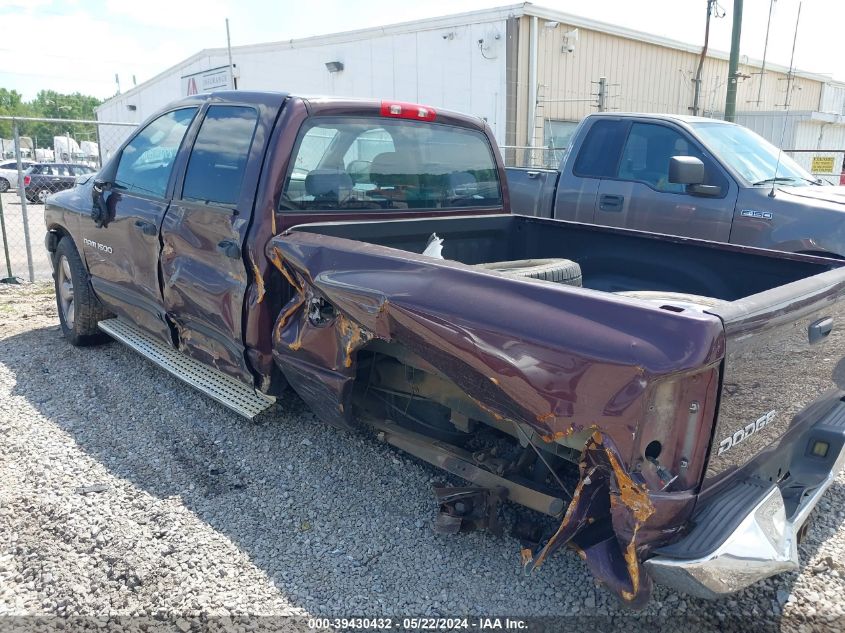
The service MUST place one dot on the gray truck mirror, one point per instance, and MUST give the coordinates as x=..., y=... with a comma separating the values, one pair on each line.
x=686, y=170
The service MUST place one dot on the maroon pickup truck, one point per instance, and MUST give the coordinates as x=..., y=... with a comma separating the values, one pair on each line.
x=646, y=397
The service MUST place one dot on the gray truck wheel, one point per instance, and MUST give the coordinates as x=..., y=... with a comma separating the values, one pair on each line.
x=79, y=309
x=562, y=271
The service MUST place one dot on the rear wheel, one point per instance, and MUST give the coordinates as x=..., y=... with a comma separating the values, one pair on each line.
x=4, y=185
x=41, y=195
x=79, y=309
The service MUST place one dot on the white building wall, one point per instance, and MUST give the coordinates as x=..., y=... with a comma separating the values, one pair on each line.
x=449, y=72
x=833, y=98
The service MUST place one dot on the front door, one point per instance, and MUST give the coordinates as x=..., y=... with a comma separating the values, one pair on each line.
x=123, y=255
x=202, y=264
x=641, y=197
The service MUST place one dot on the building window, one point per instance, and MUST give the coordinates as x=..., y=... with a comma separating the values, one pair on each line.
x=558, y=134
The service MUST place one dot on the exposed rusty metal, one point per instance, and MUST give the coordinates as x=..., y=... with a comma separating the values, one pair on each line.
x=460, y=463
x=603, y=480
x=468, y=508
x=258, y=279
x=543, y=459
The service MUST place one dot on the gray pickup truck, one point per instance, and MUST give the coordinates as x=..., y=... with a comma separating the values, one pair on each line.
x=687, y=176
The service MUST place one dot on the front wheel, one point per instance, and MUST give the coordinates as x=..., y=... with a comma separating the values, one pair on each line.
x=4, y=185
x=79, y=308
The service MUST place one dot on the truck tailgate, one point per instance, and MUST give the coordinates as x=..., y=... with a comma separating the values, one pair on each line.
x=783, y=351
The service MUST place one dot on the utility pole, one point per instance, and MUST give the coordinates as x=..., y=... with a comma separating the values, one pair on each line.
x=730, y=99
x=765, y=50
x=697, y=80
x=602, y=95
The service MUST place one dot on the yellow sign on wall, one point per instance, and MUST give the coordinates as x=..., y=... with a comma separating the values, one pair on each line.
x=822, y=165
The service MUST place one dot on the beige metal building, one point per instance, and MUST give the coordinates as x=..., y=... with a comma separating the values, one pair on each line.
x=560, y=60
x=531, y=72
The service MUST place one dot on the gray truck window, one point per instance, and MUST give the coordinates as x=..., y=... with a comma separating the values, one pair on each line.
x=645, y=157
x=218, y=159
x=146, y=162
x=378, y=163
x=599, y=152
x=751, y=156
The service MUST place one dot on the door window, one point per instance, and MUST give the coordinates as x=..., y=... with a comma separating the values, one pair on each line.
x=645, y=157
x=219, y=156
x=599, y=153
x=146, y=162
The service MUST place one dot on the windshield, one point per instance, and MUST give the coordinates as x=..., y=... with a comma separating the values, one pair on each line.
x=753, y=157
x=380, y=164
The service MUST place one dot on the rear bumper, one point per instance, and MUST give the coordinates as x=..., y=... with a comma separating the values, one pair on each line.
x=764, y=520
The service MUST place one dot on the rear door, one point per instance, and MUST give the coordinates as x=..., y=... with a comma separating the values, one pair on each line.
x=123, y=255
x=202, y=264
x=639, y=195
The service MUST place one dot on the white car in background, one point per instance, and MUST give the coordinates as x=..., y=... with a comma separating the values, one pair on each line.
x=9, y=174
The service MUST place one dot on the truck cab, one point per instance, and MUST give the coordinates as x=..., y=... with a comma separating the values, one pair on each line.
x=181, y=214
x=623, y=170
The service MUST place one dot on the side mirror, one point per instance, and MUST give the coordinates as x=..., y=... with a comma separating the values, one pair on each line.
x=686, y=170
x=689, y=171
x=99, y=206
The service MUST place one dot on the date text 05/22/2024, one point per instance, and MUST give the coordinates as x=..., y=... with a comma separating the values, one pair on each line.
x=418, y=624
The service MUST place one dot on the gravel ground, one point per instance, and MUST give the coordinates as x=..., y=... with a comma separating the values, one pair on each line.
x=125, y=493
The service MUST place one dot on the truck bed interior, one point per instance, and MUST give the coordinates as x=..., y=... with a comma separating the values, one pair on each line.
x=611, y=260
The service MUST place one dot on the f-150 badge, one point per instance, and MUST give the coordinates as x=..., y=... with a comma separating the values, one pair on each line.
x=745, y=432
x=753, y=213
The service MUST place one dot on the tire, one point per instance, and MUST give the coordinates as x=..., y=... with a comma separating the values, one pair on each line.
x=79, y=309
x=4, y=185
x=561, y=271
x=41, y=196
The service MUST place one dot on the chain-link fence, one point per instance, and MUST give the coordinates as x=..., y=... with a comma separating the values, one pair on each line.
x=827, y=165
x=525, y=156
x=44, y=156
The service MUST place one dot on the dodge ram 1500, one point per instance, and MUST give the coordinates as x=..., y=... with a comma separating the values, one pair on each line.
x=631, y=390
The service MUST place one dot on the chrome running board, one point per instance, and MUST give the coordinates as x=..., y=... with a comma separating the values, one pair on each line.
x=228, y=391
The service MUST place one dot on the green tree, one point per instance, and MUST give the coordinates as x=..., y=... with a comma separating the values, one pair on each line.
x=53, y=105
x=11, y=104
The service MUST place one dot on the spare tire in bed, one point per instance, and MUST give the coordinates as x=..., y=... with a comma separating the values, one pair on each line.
x=562, y=271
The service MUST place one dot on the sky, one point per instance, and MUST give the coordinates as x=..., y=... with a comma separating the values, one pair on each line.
x=79, y=45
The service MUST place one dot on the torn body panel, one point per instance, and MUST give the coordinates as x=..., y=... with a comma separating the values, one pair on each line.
x=529, y=354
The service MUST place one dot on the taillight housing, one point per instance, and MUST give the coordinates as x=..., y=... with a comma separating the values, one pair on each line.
x=26, y=181
x=403, y=110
